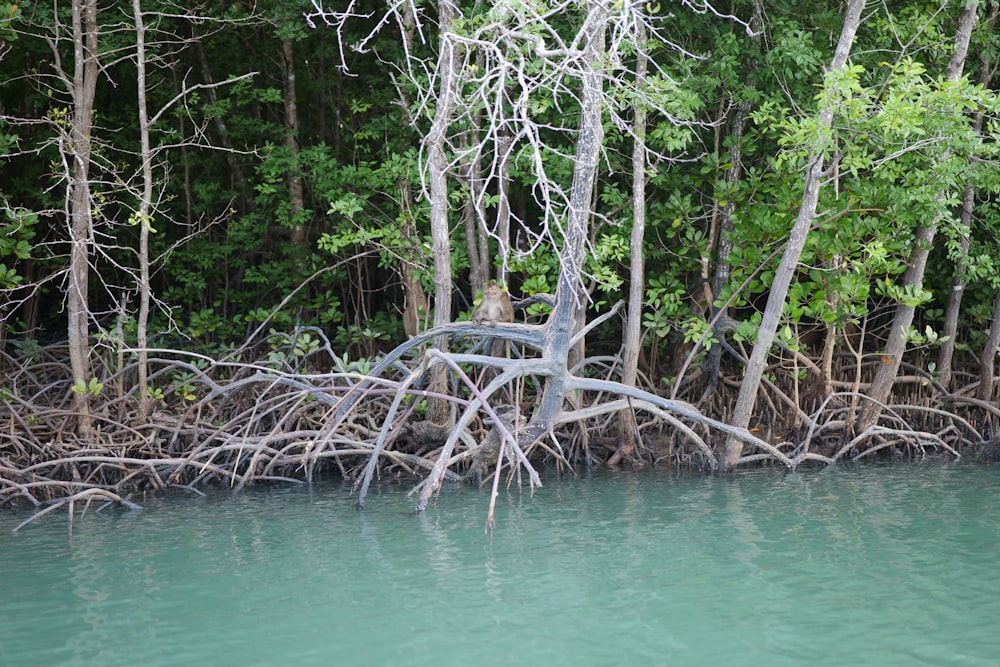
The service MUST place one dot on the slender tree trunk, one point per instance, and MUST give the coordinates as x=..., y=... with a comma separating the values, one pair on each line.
x=988, y=357
x=722, y=236
x=235, y=169
x=637, y=271
x=145, y=203
x=724, y=247
x=954, y=307
x=562, y=322
x=793, y=250
x=81, y=223
x=323, y=75
x=415, y=304
x=296, y=201
x=578, y=350
x=185, y=162
x=477, y=241
x=437, y=164
x=504, y=143
x=830, y=335
x=476, y=244
x=923, y=241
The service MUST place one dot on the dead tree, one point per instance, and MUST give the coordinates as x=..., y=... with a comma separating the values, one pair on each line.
x=517, y=54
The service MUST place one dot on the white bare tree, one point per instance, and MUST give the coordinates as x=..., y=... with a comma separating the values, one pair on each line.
x=76, y=143
x=510, y=64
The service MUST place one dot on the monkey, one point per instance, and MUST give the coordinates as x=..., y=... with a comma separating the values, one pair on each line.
x=495, y=306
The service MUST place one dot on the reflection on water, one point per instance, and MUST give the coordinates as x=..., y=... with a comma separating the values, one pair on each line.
x=857, y=565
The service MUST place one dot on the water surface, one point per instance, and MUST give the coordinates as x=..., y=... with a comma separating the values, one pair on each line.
x=876, y=565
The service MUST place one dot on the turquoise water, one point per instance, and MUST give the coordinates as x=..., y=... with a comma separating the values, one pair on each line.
x=871, y=565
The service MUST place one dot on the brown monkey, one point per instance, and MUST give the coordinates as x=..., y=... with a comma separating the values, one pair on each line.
x=495, y=306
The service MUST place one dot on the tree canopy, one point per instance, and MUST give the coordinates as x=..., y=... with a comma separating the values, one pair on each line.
x=228, y=229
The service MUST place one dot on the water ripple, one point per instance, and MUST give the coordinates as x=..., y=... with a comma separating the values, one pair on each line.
x=864, y=565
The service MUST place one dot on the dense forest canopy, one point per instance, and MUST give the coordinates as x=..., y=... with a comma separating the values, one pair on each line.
x=796, y=200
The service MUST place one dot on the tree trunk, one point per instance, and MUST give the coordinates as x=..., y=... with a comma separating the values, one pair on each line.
x=923, y=241
x=477, y=240
x=415, y=299
x=437, y=165
x=235, y=169
x=988, y=357
x=145, y=203
x=562, y=322
x=81, y=222
x=415, y=306
x=476, y=244
x=504, y=143
x=724, y=227
x=724, y=246
x=786, y=269
x=954, y=307
x=637, y=272
x=296, y=200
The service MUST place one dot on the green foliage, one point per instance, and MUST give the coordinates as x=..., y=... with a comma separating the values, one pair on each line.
x=797, y=57
x=665, y=305
x=26, y=347
x=9, y=278
x=908, y=295
x=746, y=330
x=697, y=330
x=205, y=323
x=364, y=338
x=900, y=163
x=327, y=307
x=146, y=220
x=541, y=270
x=93, y=387
x=184, y=387
x=17, y=229
x=9, y=14
x=305, y=345
x=929, y=337
x=902, y=147
x=610, y=254
x=277, y=317
x=8, y=142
